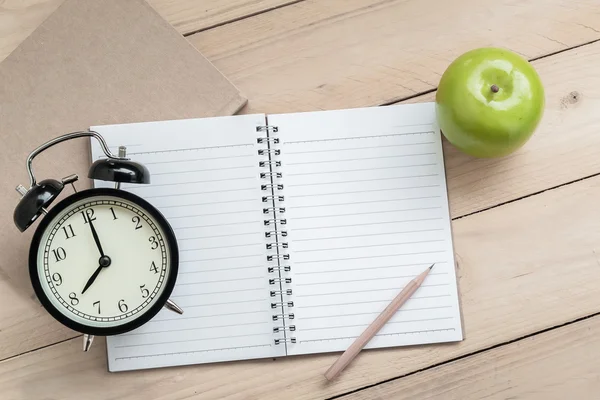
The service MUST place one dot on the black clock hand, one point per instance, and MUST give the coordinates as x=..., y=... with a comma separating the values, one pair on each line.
x=104, y=262
x=92, y=279
x=95, y=235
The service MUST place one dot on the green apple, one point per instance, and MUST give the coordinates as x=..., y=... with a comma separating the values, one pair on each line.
x=489, y=102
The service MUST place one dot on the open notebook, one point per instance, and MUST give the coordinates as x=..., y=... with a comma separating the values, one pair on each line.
x=295, y=231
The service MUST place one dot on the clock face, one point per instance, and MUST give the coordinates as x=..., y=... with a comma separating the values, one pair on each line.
x=103, y=261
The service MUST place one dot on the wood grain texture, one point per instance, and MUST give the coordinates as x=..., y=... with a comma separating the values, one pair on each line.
x=18, y=18
x=477, y=184
x=24, y=324
x=562, y=150
x=193, y=15
x=347, y=53
x=522, y=267
x=556, y=365
x=320, y=57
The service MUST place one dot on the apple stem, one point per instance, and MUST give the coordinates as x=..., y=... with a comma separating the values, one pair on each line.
x=495, y=88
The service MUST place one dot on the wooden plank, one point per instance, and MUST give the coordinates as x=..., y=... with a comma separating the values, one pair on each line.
x=18, y=18
x=566, y=137
x=570, y=118
x=477, y=184
x=192, y=15
x=24, y=324
x=523, y=267
x=560, y=364
x=348, y=53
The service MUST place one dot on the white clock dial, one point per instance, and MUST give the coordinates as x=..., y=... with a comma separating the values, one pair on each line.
x=111, y=281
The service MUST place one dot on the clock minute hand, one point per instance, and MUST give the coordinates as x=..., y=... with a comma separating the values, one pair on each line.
x=95, y=235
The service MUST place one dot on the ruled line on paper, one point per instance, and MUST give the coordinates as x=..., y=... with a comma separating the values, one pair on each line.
x=345, y=159
x=192, y=352
x=367, y=235
x=221, y=236
x=362, y=191
x=196, y=159
x=365, y=291
x=221, y=258
x=191, y=149
x=207, y=203
x=194, y=193
x=217, y=304
x=371, y=256
x=201, y=170
x=368, y=279
x=361, y=148
x=387, y=301
x=369, y=223
x=219, y=292
x=223, y=280
x=361, y=169
x=196, y=340
x=154, y=185
x=366, y=137
x=380, y=334
x=364, y=202
x=324, y=271
x=124, y=145
x=221, y=247
x=211, y=214
x=362, y=180
x=364, y=325
x=178, y=318
x=368, y=213
x=376, y=312
x=369, y=246
x=197, y=328
x=220, y=269
x=211, y=225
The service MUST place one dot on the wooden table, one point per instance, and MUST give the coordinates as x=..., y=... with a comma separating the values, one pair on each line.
x=526, y=227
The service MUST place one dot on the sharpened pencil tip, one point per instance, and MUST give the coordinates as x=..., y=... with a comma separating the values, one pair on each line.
x=431, y=265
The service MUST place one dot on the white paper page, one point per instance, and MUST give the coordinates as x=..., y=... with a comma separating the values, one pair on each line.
x=367, y=211
x=205, y=181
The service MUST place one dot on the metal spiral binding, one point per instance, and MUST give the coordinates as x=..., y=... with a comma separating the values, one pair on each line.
x=274, y=217
x=276, y=317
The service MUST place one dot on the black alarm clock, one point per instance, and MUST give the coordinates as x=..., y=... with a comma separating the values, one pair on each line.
x=102, y=261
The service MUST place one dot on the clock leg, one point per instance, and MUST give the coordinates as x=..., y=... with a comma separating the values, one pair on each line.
x=170, y=305
x=87, y=341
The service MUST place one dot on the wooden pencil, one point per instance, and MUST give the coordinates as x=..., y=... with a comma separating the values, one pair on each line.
x=360, y=342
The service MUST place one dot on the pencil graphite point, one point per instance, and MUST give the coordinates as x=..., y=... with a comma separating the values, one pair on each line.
x=431, y=266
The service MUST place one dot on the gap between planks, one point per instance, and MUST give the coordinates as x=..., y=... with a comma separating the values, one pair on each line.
x=242, y=17
x=467, y=355
x=457, y=217
x=433, y=90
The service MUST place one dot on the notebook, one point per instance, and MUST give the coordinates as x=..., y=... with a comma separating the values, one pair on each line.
x=295, y=231
x=91, y=62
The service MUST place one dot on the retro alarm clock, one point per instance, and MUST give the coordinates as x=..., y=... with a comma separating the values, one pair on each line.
x=102, y=261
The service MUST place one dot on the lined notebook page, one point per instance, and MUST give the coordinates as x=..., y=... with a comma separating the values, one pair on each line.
x=367, y=211
x=205, y=180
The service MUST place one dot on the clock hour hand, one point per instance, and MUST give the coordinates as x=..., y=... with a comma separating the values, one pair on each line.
x=104, y=262
x=92, y=279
